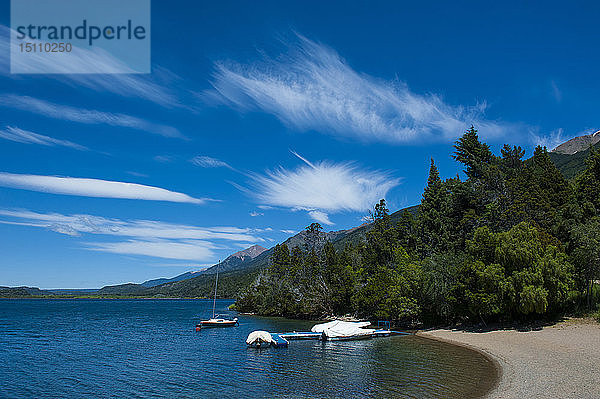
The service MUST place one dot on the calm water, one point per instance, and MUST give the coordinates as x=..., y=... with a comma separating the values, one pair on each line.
x=149, y=348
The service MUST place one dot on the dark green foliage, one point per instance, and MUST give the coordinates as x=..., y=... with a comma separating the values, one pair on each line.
x=433, y=215
x=536, y=192
x=472, y=153
x=586, y=254
x=587, y=184
x=500, y=245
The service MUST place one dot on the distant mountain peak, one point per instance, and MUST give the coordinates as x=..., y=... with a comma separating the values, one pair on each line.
x=251, y=252
x=576, y=144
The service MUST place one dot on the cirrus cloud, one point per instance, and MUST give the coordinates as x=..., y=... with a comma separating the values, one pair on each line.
x=208, y=162
x=313, y=88
x=85, y=116
x=26, y=137
x=150, y=238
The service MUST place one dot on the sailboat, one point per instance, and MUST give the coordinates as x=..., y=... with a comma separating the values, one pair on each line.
x=216, y=320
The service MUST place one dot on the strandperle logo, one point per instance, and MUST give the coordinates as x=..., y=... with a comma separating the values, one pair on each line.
x=80, y=36
x=84, y=31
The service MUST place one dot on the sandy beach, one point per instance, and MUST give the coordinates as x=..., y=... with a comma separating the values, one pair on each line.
x=558, y=361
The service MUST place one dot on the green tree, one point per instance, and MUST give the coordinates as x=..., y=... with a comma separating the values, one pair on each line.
x=440, y=295
x=433, y=219
x=587, y=183
x=523, y=271
x=472, y=153
x=314, y=236
x=512, y=158
x=536, y=193
x=586, y=238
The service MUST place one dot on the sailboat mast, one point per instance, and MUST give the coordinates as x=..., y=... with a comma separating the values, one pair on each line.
x=216, y=283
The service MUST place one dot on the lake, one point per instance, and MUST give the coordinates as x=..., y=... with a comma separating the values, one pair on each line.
x=97, y=348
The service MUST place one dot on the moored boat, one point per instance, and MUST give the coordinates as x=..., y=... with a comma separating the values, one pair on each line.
x=260, y=339
x=216, y=321
x=338, y=330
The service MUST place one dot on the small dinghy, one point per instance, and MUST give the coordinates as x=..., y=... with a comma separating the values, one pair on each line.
x=260, y=339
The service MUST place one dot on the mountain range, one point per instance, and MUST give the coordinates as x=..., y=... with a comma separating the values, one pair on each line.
x=231, y=263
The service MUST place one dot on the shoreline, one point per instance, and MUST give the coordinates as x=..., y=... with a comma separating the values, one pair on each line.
x=105, y=297
x=496, y=378
x=553, y=361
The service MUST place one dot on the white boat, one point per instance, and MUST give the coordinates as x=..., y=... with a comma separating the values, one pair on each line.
x=339, y=330
x=260, y=339
x=215, y=320
x=218, y=322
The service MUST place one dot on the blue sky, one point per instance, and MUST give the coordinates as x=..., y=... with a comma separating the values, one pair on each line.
x=259, y=118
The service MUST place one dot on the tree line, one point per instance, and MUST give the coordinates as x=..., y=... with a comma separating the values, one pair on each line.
x=512, y=241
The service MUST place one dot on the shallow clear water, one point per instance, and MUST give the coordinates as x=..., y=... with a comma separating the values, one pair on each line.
x=149, y=348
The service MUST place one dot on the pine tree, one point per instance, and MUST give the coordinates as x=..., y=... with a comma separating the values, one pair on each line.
x=313, y=237
x=537, y=192
x=512, y=158
x=433, y=217
x=472, y=153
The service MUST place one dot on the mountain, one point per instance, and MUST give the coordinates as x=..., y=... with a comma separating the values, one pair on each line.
x=159, y=281
x=233, y=262
x=578, y=144
x=177, y=287
x=237, y=260
x=122, y=289
x=235, y=273
x=12, y=292
x=569, y=157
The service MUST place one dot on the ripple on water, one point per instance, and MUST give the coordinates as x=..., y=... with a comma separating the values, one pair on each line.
x=148, y=348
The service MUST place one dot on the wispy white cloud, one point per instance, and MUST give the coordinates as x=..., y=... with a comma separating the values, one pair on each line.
x=142, y=237
x=136, y=174
x=26, y=137
x=556, y=92
x=188, y=250
x=556, y=137
x=85, y=116
x=164, y=158
x=288, y=231
x=146, y=229
x=93, y=188
x=552, y=139
x=320, y=217
x=155, y=87
x=322, y=188
x=313, y=88
x=209, y=162
x=254, y=214
x=151, y=87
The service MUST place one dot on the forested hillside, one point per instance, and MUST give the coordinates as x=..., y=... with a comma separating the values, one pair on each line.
x=572, y=164
x=513, y=240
